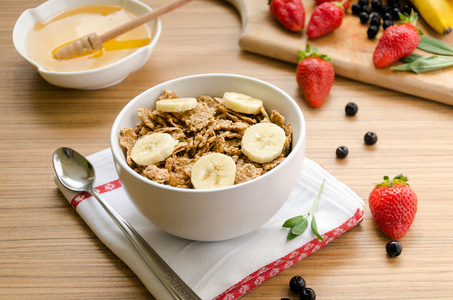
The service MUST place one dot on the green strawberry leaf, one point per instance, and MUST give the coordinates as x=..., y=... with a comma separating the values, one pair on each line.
x=311, y=53
x=408, y=18
x=340, y=4
x=399, y=179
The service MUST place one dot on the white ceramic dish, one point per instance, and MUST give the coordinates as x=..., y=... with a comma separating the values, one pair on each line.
x=217, y=214
x=91, y=79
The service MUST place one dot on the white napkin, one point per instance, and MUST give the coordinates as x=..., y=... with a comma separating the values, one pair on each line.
x=226, y=269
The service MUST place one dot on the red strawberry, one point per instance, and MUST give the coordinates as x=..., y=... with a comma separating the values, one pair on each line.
x=325, y=18
x=393, y=205
x=315, y=76
x=397, y=41
x=290, y=13
x=346, y=5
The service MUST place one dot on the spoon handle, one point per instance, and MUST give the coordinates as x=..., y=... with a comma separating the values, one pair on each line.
x=175, y=285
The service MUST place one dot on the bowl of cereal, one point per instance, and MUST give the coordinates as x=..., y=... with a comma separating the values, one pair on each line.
x=39, y=31
x=209, y=157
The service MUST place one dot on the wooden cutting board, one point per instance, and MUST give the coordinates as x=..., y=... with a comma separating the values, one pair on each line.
x=348, y=47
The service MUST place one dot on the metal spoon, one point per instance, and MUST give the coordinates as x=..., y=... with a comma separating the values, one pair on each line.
x=76, y=173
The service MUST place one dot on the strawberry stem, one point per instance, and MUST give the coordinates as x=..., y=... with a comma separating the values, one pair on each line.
x=411, y=18
x=398, y=179
x=339, y=4
x=311, y=53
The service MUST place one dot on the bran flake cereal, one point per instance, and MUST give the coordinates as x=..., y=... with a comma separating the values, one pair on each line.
x=208, y=128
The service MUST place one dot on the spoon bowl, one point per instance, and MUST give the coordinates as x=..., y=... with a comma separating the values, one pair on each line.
x=76, y=173
x=73, y=170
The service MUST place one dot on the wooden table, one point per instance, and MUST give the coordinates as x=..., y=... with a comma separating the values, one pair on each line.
x=47, y=251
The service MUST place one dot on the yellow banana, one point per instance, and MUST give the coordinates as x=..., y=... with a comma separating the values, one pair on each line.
x=437, y=13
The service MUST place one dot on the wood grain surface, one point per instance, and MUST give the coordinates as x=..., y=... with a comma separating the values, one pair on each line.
x=48, y=252
x=348, y=47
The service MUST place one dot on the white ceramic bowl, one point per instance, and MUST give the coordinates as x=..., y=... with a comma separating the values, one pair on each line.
x=91, y=79
x=217, y=214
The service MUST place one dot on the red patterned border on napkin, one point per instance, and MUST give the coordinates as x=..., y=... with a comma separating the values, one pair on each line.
x=275, y=267
x=109, y=186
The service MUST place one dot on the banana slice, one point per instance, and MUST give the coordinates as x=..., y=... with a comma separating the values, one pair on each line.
x=153, y=148
x=242, y=103
x=212, y=171
x=263, y=142
x=176, y=105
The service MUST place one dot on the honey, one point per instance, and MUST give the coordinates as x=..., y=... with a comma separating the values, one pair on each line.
x=77, y=22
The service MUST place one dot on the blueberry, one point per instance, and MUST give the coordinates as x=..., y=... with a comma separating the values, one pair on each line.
x=385, y=9
x=364, y=2
x=370, y=138
x=297, y=284
x=392, y=2
x=307, y=294
x=387, y=23
x=407, y=9
x=372, y=31
x=351, y=109
x=395, y=14
x=395, y=5
x=364, y=17
x=342, y=152
x=367, y=9
x=387, y=16
x=355, y=8
x=393, y=248
x=376, y=5
x=375, y=19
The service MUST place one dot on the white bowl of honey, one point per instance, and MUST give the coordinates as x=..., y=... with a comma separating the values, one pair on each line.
x=39, y=31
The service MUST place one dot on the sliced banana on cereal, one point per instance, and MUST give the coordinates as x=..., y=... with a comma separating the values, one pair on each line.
x=242, y=103
x=263, y=142
x=212, y=171
x=153, y=148
x=176, y=104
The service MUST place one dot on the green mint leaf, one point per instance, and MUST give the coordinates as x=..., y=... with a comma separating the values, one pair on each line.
x=404, y=67
x=299, y=228
x=432, y=63
x=411, y=58
x=293, y=221
x=314, y=228
x=435, y=46
x=299, y=224
x=426, y=64
x=420, y=64
x=290, y=236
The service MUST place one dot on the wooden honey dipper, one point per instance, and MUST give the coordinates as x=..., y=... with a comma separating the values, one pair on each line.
x=93, y=42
